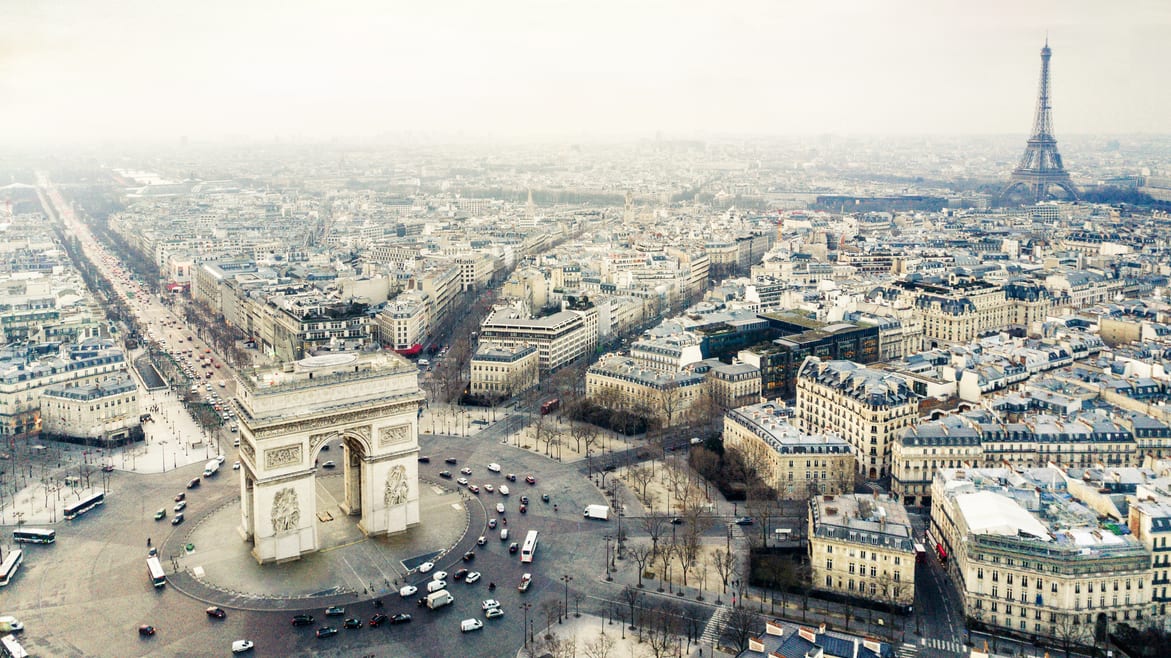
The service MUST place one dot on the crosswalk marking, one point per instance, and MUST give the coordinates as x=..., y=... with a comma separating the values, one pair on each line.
x=715, y=625
x=942, y=645
x=908, y=650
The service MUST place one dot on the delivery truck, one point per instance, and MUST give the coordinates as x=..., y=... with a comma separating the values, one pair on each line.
x=439, y=599
x=599, y=512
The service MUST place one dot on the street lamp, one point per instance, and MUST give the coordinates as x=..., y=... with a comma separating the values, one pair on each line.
x=565, y=579
x=606, y=564
x=526, y=607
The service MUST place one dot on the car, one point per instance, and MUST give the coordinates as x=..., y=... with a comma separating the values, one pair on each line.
x=378, y=620
x=181, y=496
x=445, y=474
x=494, y=467
x=146, y=629
x=459, y=575
x=463, y=482
x=240, y=646
x=513, y=547
x=161, y=514
x=525, y=581
x=426, y=566
x=220, y=458
x=524, y=509
x=335, y=611
x=675, y=520
x=236, y=466
x=451, y=460
x=609, y=467
x=468, y=625
x=491, y=524
x=465, y=470
x=424, y=459
x=469, y=556
x=744, y=520
x=530, y=479
x=439, y=575
x=472, y=577
x=489, y=603
x=474, y=489
x=489, y=488
x=545, y=497
x=193, y=483
x=401, y=618
x=499, y=508
x=408, y=590
x=326, y=631
x=511, y=477
x=504, y=534
x=180, y=506
x=352, y=622
x=107, y=468
x=328, y=464
x=218, y=613
x=302, y=620
x=178, y=519
x=524, y=500
x=482, y=540
x=492, y=613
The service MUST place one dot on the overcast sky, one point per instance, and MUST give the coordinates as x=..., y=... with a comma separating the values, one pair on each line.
x=113, y=69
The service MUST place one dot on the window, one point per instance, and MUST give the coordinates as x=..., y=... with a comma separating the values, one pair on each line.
x=829, y=563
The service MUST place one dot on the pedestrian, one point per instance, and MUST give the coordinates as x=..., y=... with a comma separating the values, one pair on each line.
x=148, y=542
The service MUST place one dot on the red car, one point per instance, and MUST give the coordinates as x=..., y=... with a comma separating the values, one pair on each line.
x=530, y=479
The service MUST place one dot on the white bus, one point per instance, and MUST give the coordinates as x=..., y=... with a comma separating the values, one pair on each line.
x=34, y=536
x=84, y=505
x=10, y=648
x=529, y=547
x=154, y=569
x=9, y=567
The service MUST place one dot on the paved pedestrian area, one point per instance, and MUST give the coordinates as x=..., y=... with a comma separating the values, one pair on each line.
x=349, y=563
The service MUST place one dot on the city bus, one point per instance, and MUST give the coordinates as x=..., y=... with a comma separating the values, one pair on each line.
x=529, y=547
x=34, y=536
x=84, y=505
x=9, y=567
x=154, y=569
x=920, y=553
x=550, y=406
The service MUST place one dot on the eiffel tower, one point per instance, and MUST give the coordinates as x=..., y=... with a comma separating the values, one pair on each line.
x=1040, y=167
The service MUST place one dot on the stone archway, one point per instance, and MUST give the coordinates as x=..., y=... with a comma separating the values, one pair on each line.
x=371, y=403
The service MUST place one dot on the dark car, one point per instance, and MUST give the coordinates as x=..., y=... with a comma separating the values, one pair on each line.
x=609, y=467
x=744, y=520
x=146, y=630
x=326, y=631
x=424, y=460
x=352, y=622
x=459, y=575
x=524, y=500
x=545, y=497
x=675, y=520
x=377, y=620
x=192, y=484
x=524, y=509
x=302, y=620
x=108, y=468
x=445, y=474
x=451, y=460
x=400, y=618
x=181, y=496
x=513, y=547
x=178, y=518
x=469, y=556
x=218, y=613
x=511, y=477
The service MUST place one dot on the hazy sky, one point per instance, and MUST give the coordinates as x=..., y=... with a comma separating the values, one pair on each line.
x=112, y=69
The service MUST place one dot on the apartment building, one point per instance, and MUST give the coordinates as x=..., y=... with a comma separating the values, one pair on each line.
x=1149, y=519
x=869, y=408
x=665, y=398
x=667, y=353
x=730, y=385
x=959, y=310
x=103, y=412
x=403, y=324
x=795, y=464
x=1030, y=560
x=560, y=339
x=499, y=372
x=862, y=546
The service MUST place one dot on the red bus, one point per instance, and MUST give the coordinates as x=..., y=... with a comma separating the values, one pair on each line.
x=550, y=406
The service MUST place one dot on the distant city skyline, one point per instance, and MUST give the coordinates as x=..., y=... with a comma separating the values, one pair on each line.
x=82, y=71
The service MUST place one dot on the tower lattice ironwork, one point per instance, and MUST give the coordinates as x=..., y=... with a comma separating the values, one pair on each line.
x=1040, y=167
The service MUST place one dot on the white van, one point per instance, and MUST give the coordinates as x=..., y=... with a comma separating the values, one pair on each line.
x=504, y=490
x=504, y=534
x=436, y=585
x=470, y=625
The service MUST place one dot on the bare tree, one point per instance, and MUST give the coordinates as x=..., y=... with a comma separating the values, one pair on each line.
x=664, y=556
x=725, y=563
x=741, y=625
x=1071, y=633
x=642, y=476
x=688, y=547
x=578, y=597
x=551, y=608
x=655, y=525
x=632, y=596
x=641, y=554
x=662, y=624
x=599, y=647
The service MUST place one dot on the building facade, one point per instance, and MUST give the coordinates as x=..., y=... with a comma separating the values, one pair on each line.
x=862, y=546
x=793, y=463
x=499, y=372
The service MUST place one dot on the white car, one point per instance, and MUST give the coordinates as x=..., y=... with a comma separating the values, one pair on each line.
x=472, y=577
x=220, y=458
x=409, y=590
x=236, y=466
x=499, y=508
x=489, y=603
x=439, y=575
x=470, y=625
x=492, y=613
x=426, y=566
x=463, y=482
x=240, y=646
x=494, y=467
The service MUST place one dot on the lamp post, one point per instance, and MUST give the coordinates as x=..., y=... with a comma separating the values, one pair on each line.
x=565, y=579
x=526, y=607
x=606, y=564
